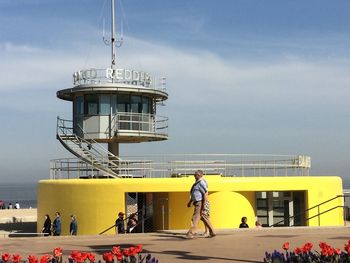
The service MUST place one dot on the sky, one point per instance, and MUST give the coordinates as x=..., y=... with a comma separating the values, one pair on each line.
x=243, y=76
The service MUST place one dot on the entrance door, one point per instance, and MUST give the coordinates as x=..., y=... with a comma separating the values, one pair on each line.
x=275, y=208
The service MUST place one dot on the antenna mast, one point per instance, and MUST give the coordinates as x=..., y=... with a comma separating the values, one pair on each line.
x=113, y=36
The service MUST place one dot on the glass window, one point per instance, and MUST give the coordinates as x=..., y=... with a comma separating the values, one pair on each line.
x=79, y=105
x=105, y=105
x=145, y=105
x=136, y=105
x=261, y=203
x=123, y=103
x=114, y=104
x=91, y=103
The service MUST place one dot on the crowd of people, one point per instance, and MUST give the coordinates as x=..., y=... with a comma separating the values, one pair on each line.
x=55, y=228
x=131, y=223
x=9, y=206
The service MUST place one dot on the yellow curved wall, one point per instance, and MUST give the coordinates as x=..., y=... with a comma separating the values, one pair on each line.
x=96, y=202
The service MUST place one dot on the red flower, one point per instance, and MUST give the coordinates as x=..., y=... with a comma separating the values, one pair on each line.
x=307, y=247
x=119, y=257
x=330, y=251
x=91, y=257
x=347, y=248
x=84, y=255
x=323, y=245
x=32, y=259
x=338, y=251
x=125, y=252
x=108, y=256
x=44, y=258
x=79, y=258
x=16, y=258
x=132, y=251
x=324, y=252
x=285, y=246
x=5, y=257
x=139, y=248
x=74, y=254
x=116, y=250
x=298, y=251
x=57, y=252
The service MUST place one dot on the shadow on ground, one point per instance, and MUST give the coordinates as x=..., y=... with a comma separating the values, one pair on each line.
x=20, y=229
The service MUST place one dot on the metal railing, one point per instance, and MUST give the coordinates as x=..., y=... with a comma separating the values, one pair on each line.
x=139, y=122
x=88, y=150
x=140, y=225
x=182, y=165
x=319, y=213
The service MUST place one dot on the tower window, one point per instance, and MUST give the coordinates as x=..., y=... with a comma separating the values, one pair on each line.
x=91, y=104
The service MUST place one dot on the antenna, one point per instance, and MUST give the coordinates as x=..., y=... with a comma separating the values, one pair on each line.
x=113, y=41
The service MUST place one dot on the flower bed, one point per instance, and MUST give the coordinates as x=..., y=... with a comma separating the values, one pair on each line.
x=127, y=255
x=305, y=254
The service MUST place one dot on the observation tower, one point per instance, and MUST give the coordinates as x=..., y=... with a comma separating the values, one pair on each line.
x=113, y=106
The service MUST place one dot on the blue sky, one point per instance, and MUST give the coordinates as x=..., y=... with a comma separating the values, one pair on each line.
x=243, y=76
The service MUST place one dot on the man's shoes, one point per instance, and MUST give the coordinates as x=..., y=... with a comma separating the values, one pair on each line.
x=189, y=236
x=211, y=235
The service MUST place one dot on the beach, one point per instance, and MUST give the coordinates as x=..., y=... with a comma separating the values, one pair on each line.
x=17, y=221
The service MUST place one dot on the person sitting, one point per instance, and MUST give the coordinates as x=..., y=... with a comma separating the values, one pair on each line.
x=258, y=225
x=132, y=223
x=244, y=223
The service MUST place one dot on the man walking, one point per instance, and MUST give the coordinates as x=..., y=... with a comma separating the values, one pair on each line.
x=119, y=224
x=57, y=225
x=199, y=196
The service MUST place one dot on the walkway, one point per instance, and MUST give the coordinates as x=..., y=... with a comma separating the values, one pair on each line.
x=241, y=245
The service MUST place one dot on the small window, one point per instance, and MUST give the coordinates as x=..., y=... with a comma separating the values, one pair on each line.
x=105, y=105
x=136, y=105
x=79, y=105
x=123, y=103
x=145, y=105
x=91, y=104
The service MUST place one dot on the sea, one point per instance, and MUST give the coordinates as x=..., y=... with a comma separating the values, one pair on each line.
x=23, y=193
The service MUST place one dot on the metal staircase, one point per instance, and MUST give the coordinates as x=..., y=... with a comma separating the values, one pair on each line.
x=88, y=150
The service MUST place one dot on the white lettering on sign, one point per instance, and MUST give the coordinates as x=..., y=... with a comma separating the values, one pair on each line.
x=126, y=76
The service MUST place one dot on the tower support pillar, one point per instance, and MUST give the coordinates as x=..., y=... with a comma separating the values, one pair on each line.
x=113, y=147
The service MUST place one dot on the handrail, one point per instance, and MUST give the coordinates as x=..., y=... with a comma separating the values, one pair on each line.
x=143, y=218
x=316, y=206
x=98, y=163
x=109, y=154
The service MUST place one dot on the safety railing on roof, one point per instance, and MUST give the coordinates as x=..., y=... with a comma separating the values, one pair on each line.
x=182, y=165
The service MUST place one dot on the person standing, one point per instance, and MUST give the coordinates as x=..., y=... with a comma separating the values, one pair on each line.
x=47, y=226
x=57, y=225
x=199, y=197
x=17, y=205
x=119, y=224
x=73, y=227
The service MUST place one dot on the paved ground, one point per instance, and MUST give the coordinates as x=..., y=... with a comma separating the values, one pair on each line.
x=241, y=245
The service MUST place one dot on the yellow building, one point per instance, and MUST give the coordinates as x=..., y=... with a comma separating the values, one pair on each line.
x=96, y=202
